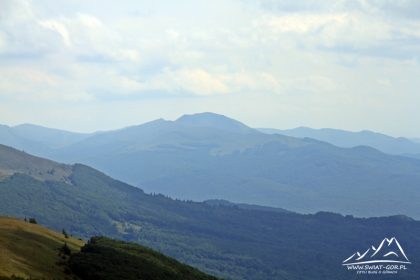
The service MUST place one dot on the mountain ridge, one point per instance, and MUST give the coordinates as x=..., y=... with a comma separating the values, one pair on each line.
x=200, y=162
x=230, y=242
x=14, y=161
x=348, y=139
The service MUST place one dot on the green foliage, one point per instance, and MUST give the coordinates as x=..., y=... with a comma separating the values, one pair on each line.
x=226, y=241
x=65, y=250
x=107, y=259
x=31, y=253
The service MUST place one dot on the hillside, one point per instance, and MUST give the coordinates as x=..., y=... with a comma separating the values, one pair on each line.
x=30, y=250
x=224, y=240
x=42, y=169
x=33, y=251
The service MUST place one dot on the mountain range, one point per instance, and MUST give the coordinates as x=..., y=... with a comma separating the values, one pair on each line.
x=349, y=139
x=217, y=237
x=209, y=156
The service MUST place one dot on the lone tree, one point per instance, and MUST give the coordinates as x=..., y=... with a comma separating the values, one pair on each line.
x=65, y=250
x=65, y=233
x=32, y=221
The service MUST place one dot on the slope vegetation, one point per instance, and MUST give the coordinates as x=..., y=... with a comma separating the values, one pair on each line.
x=107, y=259
x=226, y=240
x=32, y=251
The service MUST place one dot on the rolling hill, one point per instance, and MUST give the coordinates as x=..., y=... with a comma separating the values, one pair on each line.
x=221, y=239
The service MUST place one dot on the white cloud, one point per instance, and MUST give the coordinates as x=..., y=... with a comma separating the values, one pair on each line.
x=343, y=30
x=291, y=58
x=191, y=81
x=35, y=85
x=302, y=23
x=199, y=81
x=15, y=10
x=59, y=28
x=82, y=32
x=89, y=21
x=2, y=41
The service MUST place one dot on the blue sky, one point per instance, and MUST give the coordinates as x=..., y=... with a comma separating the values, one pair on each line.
x=95, y=65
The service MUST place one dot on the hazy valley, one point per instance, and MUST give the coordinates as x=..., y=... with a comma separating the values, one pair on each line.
x=209, y=156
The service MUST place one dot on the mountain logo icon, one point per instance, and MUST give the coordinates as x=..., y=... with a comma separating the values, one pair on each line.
x=388, y=251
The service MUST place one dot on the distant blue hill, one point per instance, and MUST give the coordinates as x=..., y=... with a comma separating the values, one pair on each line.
x=349, y=139
x=209, y=156
x=38, y=139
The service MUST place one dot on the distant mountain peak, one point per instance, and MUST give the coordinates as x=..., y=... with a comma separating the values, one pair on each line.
x=205, y=116
x=29, y=125
x=35, y=128
x=208, y=119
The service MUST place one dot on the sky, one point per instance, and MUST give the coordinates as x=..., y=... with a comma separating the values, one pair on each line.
x=98, y=65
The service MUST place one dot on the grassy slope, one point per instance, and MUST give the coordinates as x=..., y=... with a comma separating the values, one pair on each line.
x=32, y=251
x=29, y=250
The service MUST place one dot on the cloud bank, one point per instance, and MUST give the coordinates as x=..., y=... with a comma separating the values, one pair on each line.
x=99, y=65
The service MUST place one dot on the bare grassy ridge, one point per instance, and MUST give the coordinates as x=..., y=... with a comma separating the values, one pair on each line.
x=32, y=251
